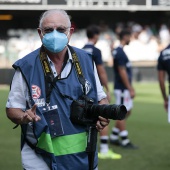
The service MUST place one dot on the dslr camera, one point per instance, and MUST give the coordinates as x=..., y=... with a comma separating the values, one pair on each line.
x=85, y=112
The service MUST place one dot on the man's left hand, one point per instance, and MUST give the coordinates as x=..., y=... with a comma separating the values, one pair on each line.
x=102, y=123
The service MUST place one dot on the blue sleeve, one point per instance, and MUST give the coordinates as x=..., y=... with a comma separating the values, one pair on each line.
x=160, y=65
x=97, y=56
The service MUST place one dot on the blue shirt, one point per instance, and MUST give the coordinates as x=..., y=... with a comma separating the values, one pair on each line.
x=164, y=61
x=121, y=60
x=96, y=53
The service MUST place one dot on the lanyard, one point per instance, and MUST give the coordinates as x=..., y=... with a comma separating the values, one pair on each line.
x=49, y=77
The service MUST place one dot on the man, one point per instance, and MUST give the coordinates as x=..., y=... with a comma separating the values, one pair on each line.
x=163, y=69
x=93, y=33
x=45, y=84
x=123, y=90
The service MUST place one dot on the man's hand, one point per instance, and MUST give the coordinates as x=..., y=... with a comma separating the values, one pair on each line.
x=30, y=116
x=166, y=104
x=132, y=92
x=102, y=123
x=108, y=96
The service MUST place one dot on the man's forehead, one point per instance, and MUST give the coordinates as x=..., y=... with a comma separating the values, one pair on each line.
x=55, y=19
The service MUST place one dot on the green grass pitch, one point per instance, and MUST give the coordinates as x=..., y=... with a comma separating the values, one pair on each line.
x=148, y=128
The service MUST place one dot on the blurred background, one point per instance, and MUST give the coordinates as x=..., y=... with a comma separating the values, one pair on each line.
x=148, y=18
x=149, y=21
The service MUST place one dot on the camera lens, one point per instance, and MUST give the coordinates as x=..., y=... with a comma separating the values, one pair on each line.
x=115, y=112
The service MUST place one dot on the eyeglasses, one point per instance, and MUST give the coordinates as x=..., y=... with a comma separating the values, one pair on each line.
x=59, y=29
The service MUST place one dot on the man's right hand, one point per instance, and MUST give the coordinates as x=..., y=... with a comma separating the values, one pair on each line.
x=30, y=115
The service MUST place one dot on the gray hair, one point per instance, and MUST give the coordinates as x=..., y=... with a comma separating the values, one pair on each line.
x=59, y=11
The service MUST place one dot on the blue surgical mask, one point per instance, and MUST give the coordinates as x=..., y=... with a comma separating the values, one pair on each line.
x=55, y=41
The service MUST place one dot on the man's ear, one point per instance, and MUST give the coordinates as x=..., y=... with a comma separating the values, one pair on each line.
x=71, y=30
x=70, y=33
x=40, y=33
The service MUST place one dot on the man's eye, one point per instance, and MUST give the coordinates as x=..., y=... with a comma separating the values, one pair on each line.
x=48, y=30
x=61, y=30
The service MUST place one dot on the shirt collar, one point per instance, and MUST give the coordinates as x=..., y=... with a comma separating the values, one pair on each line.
x=69, y=57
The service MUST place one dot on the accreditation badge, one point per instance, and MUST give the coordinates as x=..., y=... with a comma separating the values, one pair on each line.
x=53, y=120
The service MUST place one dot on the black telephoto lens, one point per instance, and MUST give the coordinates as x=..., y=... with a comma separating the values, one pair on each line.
x=114, y=112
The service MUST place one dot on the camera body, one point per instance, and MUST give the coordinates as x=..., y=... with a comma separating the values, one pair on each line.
x=85, y=112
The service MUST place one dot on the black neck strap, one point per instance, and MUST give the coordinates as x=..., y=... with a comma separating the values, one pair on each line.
x=49, y=77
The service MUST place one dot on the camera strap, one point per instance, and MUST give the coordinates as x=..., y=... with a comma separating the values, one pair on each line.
x=49, y=77
x=78, y=69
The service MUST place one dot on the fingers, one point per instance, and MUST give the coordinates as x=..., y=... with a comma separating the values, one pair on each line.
x=98, y=126
x=102, y=123
x=30, y=115
x=26, y=119
x=33, y=109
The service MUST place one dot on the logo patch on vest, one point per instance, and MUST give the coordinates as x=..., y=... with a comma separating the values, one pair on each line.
x=87, y=86
x=36, y=92
x=40, y=102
